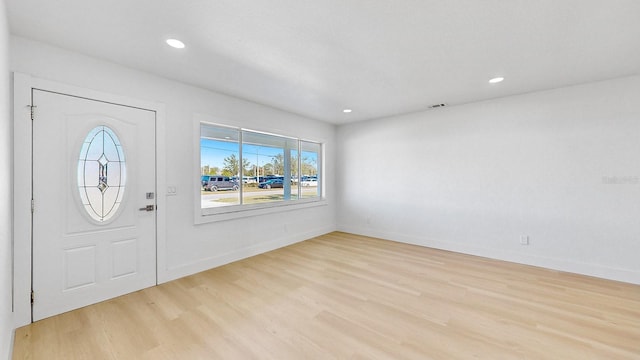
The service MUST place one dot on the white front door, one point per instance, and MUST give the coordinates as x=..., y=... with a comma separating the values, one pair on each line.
x=94, y=187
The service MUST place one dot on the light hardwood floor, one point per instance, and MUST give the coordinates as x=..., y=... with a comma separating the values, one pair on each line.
x=346, y=296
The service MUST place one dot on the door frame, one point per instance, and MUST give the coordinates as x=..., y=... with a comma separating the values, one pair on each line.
x=22, y=181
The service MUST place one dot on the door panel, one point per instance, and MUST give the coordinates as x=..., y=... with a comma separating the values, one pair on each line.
x=93, y=166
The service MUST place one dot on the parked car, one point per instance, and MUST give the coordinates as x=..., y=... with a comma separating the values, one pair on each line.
x=204, y=180
x=272, y=183
x=221, y=183
x=249, y=180
x=270, y=177
x=309, y=182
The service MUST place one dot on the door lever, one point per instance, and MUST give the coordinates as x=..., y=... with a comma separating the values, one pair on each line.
x=148, y=208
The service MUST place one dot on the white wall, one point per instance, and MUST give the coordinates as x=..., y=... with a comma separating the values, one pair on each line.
x=191, y=248
x=473, y=178
x=6, y=315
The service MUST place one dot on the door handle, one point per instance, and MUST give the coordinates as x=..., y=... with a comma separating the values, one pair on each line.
x=148, y=208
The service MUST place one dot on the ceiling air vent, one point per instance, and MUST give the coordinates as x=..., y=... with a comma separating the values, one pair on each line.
x=435, y=106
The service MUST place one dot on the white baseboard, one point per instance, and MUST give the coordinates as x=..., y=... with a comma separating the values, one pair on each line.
x=239, y=254
x=566, y=265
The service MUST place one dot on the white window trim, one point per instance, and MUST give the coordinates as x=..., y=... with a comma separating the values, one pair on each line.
x=208, y=215
x=241, y=211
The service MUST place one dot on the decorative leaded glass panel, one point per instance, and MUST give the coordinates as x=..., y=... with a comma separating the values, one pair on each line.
x=101, y=173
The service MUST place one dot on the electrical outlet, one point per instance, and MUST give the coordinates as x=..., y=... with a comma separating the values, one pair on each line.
x=524, y=239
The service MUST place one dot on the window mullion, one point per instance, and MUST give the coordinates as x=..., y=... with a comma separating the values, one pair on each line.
x=299, y=170
x=240, y=167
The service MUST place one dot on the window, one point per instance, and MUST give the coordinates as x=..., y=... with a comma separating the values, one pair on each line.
x=243, y=169
x=220, y=156
x=309, y=175
x=101, y=174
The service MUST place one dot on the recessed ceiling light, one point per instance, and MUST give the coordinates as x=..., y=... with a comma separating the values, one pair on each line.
x=496, y=80
x=346, y=111
x=175, y=43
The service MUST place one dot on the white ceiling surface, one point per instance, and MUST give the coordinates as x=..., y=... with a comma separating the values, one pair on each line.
x=377, y=57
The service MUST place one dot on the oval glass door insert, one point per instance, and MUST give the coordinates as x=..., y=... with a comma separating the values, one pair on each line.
x=101, y=174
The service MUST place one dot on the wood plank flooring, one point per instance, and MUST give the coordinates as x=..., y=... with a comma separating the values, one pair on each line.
x=345, y=296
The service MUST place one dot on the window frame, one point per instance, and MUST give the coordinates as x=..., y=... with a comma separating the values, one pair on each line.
x=204, y=215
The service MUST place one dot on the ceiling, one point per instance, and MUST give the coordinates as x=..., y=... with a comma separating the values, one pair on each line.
x=377, y=57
